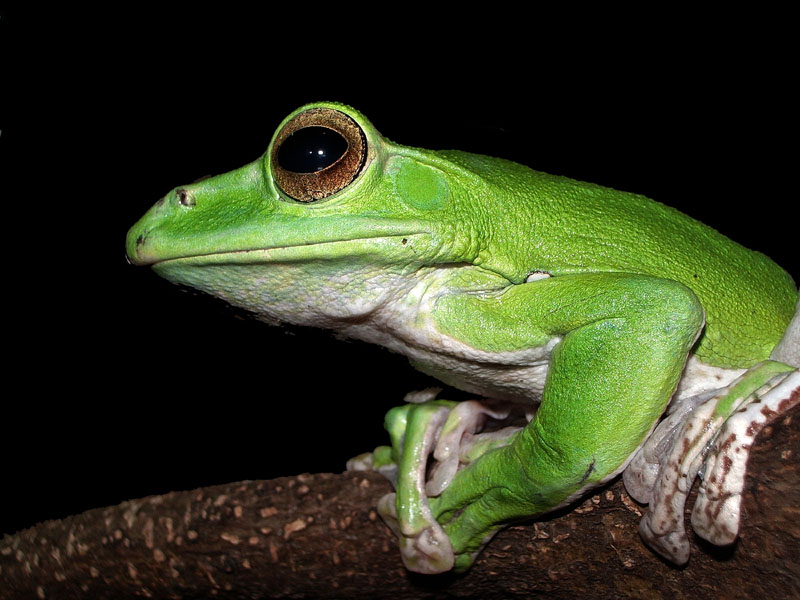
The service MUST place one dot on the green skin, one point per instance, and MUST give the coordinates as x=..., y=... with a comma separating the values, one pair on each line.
x=428, y=253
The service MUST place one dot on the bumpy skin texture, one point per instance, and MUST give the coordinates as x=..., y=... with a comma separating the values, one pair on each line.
x=495, y=278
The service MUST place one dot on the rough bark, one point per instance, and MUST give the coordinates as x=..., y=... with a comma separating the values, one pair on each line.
x=318, y=536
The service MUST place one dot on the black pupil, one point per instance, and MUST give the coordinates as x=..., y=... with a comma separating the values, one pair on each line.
x=311, y=149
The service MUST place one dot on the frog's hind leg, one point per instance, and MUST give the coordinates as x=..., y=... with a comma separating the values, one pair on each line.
x=710, y=434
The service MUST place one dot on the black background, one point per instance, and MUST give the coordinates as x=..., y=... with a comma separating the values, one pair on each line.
x=120, y=385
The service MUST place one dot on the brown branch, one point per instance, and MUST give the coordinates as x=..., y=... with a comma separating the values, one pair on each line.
x=318, y=536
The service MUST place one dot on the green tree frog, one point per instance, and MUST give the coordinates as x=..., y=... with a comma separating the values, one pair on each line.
x=579, y=315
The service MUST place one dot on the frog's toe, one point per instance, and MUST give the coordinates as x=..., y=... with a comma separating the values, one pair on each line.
x=473, y=528
x=424, y=549
x=362, y=462
x=667, y=537
x=379, y=460
x=459, y=440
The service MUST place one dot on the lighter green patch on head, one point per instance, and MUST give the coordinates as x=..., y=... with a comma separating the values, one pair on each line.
x=418, y=185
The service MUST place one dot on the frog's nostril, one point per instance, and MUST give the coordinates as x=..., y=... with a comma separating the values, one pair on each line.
x=185, y=198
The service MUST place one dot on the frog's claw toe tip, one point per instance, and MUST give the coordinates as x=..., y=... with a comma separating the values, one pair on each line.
x=429, y=552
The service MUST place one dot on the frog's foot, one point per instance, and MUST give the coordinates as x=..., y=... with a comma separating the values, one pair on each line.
x=447, y=432
x=379, y=460
x=715, y=516
x=382, y=459
x=710, y=434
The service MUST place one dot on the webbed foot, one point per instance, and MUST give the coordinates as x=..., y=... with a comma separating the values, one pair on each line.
x=708, y=435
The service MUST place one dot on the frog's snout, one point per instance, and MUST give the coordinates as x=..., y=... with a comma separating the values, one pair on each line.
x=135, y=243
x=138, y=243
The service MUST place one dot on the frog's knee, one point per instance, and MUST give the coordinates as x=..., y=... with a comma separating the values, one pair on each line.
x=681, y=308
x=665, y=309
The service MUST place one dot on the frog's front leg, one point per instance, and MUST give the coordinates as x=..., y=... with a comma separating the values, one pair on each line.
x=431, y=441
x=624, y=340
x=385, y=459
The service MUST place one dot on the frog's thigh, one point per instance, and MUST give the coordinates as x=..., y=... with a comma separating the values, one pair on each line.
x=625, y=339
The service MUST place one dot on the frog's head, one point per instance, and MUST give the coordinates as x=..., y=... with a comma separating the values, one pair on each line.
x=331, y=219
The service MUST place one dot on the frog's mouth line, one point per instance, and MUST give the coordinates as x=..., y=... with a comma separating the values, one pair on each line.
x=394, y=245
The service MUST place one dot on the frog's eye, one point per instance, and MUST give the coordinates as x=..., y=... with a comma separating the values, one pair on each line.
x=318, y=153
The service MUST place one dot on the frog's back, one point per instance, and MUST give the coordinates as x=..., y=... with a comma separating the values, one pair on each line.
x=749, y=300
x=573, y=227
